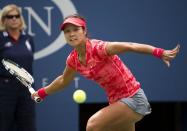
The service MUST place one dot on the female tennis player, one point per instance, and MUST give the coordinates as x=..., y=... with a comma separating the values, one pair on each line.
x=98, y=60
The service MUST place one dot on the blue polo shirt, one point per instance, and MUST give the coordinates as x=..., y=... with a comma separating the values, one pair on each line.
x=20, y=51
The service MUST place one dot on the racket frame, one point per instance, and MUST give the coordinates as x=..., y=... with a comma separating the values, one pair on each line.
x=24, y=81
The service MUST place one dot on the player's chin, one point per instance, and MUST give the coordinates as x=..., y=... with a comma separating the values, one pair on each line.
x=74, y=43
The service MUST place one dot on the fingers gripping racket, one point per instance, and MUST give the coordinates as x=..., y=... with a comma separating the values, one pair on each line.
x=22, y=75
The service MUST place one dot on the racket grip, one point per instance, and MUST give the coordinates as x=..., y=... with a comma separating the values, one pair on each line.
x=36, y=99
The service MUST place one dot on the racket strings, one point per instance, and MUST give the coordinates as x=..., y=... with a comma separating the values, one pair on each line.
x=19, y=72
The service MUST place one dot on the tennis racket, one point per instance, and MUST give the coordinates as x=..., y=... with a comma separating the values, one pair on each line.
x=22, y=75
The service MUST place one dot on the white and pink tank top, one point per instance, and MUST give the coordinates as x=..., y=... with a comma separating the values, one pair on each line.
x=108, y=71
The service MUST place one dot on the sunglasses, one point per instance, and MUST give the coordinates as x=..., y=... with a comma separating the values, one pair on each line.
x=12, y=16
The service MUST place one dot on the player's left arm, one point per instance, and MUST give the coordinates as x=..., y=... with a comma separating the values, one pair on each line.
x=113, y=48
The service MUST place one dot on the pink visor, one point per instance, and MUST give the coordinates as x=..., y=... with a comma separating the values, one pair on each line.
x=74, y=21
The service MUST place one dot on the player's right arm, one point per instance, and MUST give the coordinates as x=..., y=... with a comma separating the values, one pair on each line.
x=61, y=81
x=58, y=84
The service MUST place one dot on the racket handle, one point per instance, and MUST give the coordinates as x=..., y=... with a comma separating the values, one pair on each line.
x=36, y=99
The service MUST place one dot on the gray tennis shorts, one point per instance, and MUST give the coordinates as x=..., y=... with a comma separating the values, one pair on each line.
x=138, y=103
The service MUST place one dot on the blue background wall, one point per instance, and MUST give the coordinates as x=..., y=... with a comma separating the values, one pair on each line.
x=162, y=23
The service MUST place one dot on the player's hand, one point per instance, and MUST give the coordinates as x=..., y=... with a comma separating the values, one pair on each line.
x=169, y=55
x=41, y=94
x=34, y=95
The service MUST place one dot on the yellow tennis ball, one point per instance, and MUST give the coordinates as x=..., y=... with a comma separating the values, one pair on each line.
x=79, y=96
